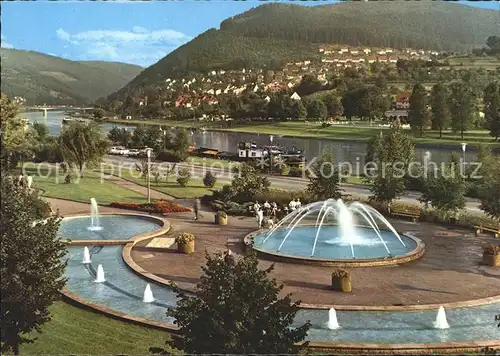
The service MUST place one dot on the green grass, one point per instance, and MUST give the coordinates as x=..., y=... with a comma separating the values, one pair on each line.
x=488, y=63
x=212, y=162
x=74, y=330
x=80, y=190
x=194, y=189
x=342, y=133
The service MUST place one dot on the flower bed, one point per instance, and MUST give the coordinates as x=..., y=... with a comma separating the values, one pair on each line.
x=159, y=206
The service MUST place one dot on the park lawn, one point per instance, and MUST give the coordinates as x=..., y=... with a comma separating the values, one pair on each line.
x=90, y=186
x=194, y=189
x=73, y=330
x=212, y=162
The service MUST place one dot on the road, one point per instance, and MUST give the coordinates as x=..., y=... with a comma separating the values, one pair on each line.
x=288, y=183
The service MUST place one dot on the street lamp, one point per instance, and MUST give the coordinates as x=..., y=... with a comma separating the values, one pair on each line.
x=464, y=147
x=271, y=138
x=148, y=153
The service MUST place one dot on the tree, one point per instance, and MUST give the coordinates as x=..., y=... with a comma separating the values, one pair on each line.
x=461, y=107
x=418, y=114
x=440, y=112
x=333, y=105
x=316, y=109
x=324, y=182
x=365, y=102
x=445, y=191
x=493, y=43
x=181, y=143
x=308, y=85
x=492, y=108
x=247, y=184
x=238, y=309
x=489, y=192
x=82, y=143
x=31, y=266
x=120, y=136
x=391, y=154
x=16, y=141
x=184, y=177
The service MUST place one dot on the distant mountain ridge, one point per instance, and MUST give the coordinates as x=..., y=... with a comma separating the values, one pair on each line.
x=42, y=78
x=272, y=34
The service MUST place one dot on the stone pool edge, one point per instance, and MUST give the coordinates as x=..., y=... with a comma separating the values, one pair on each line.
x=447, y=347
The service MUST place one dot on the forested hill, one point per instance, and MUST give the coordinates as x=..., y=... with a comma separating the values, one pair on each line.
x=271, y=34
x=46, y=79
x=416, y=24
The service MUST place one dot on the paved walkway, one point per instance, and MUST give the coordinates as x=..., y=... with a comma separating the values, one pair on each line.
x=449, y=270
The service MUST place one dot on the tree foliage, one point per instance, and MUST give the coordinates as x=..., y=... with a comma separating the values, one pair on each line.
x=31, y=265
x=445, y=189
x=391, y=153
x=82, y=143
x=439, y=101
x=237, y=309
x=492, y=108
x=247, y=184
x=325, y=178
x=462, y=107
x=418, y=115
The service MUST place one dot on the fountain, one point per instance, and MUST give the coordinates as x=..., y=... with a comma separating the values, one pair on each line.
x=100, y=275
x=86, y=255
x=333, y=323
x=148, y=295
x=441, y=322
x=332, y=229
x=94, y=216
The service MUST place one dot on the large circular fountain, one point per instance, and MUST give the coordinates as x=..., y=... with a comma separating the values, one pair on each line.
x=333, y=233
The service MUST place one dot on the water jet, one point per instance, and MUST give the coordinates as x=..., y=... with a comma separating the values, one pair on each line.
x=86, y=255
x=94, y=216
x=148, y=295
x=333, y=323
x=100, y=275
x=441, y=321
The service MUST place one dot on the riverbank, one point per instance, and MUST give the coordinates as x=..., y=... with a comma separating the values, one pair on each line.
x=302, y=129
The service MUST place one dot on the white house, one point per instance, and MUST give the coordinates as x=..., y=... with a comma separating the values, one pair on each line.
x=295, y=96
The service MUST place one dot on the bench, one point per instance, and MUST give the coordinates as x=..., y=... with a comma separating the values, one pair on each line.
x=412, y=214
x=490, y=228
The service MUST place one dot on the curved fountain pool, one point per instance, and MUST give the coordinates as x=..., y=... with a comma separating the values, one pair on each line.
x=113, y=226
x=334, y=231
x=123, y=292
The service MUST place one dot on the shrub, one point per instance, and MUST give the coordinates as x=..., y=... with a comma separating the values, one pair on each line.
x=283, y=197
x=184, y=238
x=492, y=249
x=184, y=177
x=209, y=180
x=222, y=214
x=159, y=206
x=68, y=178
x=340, y=273
x=170, y=156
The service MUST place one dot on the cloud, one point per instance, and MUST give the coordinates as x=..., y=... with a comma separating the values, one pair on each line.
x=5, y=44
x=139, y=46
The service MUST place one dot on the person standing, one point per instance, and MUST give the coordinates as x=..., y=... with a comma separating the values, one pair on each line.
x=196, y=208
x=260, y=217
x=274, y=210
x=267, y=207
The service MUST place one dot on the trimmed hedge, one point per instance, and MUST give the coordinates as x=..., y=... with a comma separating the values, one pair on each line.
x=159, y=206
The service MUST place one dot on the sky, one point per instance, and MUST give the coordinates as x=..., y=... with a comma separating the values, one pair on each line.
x=132, y=32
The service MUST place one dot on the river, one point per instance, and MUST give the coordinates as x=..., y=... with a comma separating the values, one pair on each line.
x=344, y=151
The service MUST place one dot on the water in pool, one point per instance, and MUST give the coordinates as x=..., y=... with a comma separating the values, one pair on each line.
x=114, y=227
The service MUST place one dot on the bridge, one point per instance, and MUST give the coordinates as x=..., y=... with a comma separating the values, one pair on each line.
x=45, y=109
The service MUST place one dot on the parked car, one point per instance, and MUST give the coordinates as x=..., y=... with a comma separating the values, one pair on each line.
x=144, y=152
x=134, y=152
x=118, y=150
